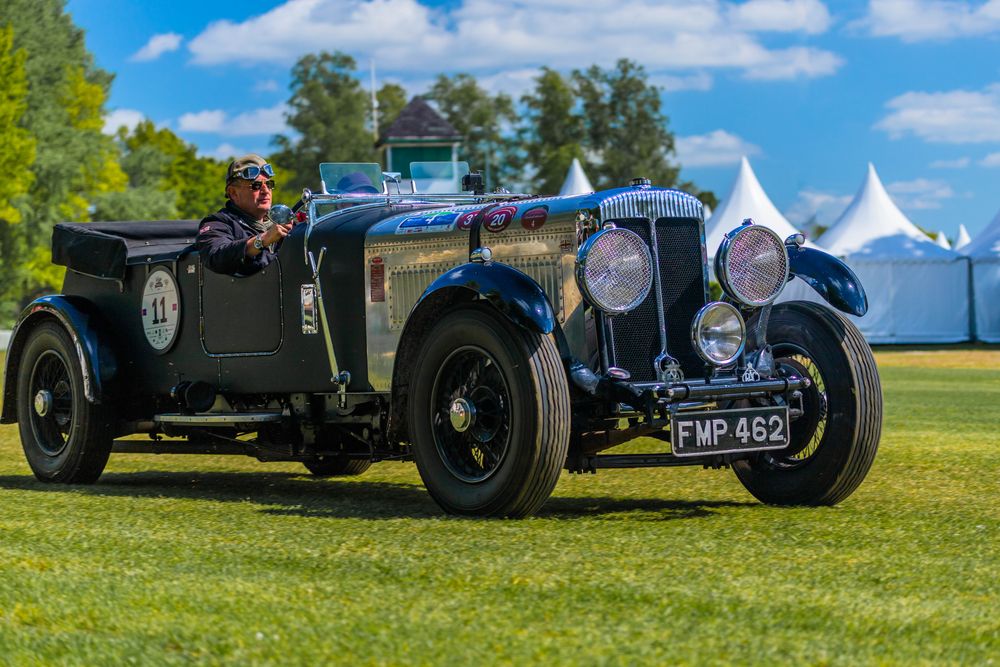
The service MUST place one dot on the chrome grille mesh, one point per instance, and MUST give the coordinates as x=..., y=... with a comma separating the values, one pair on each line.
x=636, y=335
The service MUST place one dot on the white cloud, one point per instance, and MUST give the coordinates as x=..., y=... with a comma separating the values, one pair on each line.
x=715, y=149
x=920, y=193
x=157, y=46
x=808, y=16
x=270, y=120
x=203, y=121
x=225, y=152
x=674, y=83
x=815, y=205
x=266, y=86
x=922, y=20
x=482, y=36
x=128, y=118
x=991, y=160
x=957, y=163
x=956, y=117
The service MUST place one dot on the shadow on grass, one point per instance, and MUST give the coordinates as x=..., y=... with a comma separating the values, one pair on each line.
x=291, y=494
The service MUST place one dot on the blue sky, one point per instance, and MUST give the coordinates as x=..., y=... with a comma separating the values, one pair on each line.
x=811, y=91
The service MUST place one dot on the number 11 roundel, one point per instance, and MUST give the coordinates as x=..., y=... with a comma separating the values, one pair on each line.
x=160, y=309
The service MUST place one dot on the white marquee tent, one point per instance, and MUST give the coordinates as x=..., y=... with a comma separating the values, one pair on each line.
x=576, y=182
x=984, y=252
x=963, y=239
x=917, y=291
x=746, y=199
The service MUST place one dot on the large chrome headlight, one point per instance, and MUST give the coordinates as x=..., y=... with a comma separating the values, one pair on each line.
x=752, y=265
x=614, y=270
x=718, y=333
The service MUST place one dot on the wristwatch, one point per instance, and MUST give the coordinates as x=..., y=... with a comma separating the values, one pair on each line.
x=258, y=242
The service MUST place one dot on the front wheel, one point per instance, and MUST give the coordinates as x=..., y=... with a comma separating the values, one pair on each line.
x=489, y=415
x=834, y=441
x=65, y=437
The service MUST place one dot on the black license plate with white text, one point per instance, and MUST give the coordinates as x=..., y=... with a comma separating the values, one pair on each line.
x=728, y=431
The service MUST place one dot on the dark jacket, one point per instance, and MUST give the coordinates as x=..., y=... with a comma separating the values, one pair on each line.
x=222, y=242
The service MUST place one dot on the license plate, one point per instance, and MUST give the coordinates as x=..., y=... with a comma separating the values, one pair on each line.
x=727, y=431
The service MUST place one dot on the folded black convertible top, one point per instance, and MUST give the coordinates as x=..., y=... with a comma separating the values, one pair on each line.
x=105, y=249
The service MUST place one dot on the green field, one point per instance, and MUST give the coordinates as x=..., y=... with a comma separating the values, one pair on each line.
x=175, y=559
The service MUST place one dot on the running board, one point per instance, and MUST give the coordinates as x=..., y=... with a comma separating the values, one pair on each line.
x=218, y=418
x=179, y=447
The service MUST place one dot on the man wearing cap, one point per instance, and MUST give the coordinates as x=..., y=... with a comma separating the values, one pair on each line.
x=236, y=240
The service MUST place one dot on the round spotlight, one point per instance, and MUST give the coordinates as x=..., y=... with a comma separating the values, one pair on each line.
x=614, y=270
x=752, y=265
x=718, y=333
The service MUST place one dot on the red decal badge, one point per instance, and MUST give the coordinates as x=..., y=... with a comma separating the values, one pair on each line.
x=465, y=220
x=534, y=218
x=498, y=219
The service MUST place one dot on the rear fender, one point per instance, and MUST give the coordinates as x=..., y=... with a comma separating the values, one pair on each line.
x=76, y=315
x=830, y=277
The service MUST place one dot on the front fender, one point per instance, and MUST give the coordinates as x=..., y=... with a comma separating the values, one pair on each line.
x=830, y=277
x=512, y=292
x=74, y=315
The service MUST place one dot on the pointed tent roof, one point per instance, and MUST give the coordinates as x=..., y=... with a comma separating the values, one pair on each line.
x=963, y=239
x=942, y=241
x=987, y=242
x=746, y=199
x=873, y=226
x=576, y=182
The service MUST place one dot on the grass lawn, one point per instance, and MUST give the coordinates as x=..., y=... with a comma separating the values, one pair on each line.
x=175, y=559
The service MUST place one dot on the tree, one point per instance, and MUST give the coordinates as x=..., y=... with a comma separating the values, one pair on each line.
x=553, y=130
x=74, y=161
x=626, y=130
x=485, y=123
x=391, y=100
x=329, y=110
x=18, y=144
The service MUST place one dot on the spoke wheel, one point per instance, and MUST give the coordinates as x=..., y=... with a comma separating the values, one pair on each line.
x=489, y=414
x=65, y=437
x=471, y=414
x=833, y=444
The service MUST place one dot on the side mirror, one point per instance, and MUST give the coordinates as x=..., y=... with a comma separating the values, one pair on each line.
x=281, y=215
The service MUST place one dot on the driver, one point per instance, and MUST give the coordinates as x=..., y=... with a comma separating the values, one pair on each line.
x=237, y=239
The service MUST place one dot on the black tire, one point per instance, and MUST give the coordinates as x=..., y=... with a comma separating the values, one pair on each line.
x=66, y=439
x=835, y=441
x=336, y=466
x=508, y=457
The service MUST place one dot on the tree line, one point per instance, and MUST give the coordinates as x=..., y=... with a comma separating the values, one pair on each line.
x=62, y=167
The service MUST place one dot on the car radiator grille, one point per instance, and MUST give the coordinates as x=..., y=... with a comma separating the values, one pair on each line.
x=636, y=335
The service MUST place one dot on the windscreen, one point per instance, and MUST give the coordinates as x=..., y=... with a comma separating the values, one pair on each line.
x=351, y=177
x=438, y=177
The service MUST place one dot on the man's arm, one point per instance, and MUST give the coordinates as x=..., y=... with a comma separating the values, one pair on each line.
x=224, y=254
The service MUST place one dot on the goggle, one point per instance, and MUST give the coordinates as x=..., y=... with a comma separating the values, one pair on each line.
x=257, y=185
x=253, y=171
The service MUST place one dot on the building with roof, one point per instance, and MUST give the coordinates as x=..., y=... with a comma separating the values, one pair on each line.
x=419, y=134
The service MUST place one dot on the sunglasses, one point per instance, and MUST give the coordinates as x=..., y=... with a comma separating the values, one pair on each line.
x=253, y=171
x=257, y=185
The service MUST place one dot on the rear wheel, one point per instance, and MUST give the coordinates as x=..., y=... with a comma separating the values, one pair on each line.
x=65, y=437
x=489, y=415
x=337, y=466
x=835, y=440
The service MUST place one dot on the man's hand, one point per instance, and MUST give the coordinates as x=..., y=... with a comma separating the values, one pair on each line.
x=275, y=233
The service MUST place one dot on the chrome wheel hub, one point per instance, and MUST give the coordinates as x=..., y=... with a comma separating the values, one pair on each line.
x=43, y=402
x=462, y=414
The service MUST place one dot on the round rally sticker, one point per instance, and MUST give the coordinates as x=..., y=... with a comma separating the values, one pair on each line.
x=160, y=309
